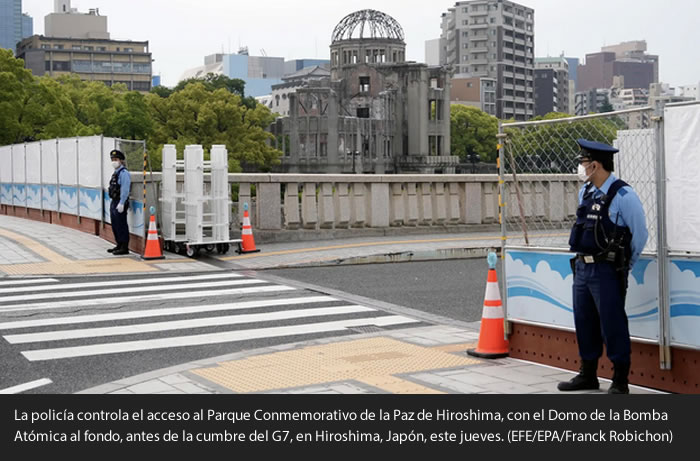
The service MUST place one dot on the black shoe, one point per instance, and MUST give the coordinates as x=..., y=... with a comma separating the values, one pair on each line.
x=619, y=381
x=112, y=250
x=122, y=250
x=586, y=379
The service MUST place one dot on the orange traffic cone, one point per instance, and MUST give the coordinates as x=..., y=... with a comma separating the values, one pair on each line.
x=248, y=244
x=492, y=343
x=152, y=250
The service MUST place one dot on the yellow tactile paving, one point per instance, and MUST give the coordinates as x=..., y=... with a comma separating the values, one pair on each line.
x=58, y=264
x=374, y=361
x=35, y=246
x=455, y=347
x=84, y=266
x=398, y=385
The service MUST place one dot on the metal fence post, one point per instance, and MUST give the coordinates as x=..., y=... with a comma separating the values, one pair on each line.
x=102, y=180
x=77, y=175
x=502, y=221
x=661, y=246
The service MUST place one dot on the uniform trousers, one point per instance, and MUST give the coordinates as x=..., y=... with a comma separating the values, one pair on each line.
x=599, y=312
x=120, y=228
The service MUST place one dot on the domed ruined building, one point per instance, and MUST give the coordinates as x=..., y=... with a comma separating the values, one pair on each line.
x=376, y=113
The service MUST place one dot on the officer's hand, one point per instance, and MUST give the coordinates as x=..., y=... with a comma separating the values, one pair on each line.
x=120, y=208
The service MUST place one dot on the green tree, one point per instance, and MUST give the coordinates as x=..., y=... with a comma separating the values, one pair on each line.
x=31, y=108
x=131, y=120
x=197, y=115
x=215, y=82
x=552, y=148
x=162, y=91
x=473, y=131
x=95, y=104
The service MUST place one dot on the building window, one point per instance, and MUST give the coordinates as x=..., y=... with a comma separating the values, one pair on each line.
x=465, y=45
x=75, y=47
x=142, y=86
x=88, y=48
x=465, y=22
x=364, y=84
x=493, y=31
x=101, y=48
x=465, y=33
x=470, y=84
x=45, y=47
x=363, y=112
x=129, y=50
x=58, y=47
x=63, y=66
x=493, y=20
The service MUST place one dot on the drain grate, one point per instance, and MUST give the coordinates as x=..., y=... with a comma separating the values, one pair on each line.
x=367, y=329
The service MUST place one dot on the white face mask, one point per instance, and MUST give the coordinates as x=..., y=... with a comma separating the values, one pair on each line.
x=116, y=165
x=582, y=173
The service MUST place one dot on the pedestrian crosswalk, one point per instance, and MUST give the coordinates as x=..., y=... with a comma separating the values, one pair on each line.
x=52, y=319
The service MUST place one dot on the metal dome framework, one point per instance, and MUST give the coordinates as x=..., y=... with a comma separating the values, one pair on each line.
x=368, y=24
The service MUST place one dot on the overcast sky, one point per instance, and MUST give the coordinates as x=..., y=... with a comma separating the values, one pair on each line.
x=181, y=32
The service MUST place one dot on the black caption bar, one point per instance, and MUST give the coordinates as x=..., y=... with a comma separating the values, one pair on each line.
x=373, y=423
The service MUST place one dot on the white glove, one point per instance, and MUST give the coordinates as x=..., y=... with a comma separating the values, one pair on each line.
x=120, y=208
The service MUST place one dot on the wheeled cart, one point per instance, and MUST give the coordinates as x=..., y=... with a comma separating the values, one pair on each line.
x=195, y=213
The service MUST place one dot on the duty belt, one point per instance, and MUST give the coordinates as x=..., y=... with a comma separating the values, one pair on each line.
x=599, y=258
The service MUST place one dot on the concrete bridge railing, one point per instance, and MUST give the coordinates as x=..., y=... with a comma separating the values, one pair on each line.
x=316, y=202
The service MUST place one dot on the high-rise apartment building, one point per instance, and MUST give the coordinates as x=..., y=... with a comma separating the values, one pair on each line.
x=494, y=39
x=551, y=85
x=79, y=43
x=108, y=61
x=628, y=59
x=14, y=25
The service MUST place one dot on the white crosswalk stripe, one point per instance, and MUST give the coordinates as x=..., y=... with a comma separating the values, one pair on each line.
x=122, y=283
x=56, y=336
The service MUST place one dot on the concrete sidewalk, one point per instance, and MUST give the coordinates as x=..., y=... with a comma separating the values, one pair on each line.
x=30, y=248
x=429, y=359
x=426, y=360
x=36, y=248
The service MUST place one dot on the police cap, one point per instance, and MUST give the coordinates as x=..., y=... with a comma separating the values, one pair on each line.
x=591, y=150
x=115, y=153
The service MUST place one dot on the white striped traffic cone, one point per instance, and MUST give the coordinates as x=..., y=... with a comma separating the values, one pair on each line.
x=248, y=244
x=492, y=343
x=152, y=250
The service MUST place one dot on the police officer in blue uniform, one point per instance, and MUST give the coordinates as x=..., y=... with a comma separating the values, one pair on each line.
x=609, y=234
x=119, y=186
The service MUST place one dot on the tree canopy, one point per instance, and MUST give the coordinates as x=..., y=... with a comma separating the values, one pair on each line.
x=212, y=110
x=473, y=131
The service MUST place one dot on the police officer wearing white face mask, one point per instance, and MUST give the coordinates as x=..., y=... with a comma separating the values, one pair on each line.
x=119, y=186
x=609, y=235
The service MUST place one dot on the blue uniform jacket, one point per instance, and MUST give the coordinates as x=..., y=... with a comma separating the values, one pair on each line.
x=625, y=210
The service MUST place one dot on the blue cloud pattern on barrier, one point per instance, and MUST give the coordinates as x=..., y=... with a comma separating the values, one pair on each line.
x=6, y=194
x=539, y=288
x=33, y=196
x=90, y=205
x=19, y=195
x=68, y=197
x=50, y=199
x=684, y=279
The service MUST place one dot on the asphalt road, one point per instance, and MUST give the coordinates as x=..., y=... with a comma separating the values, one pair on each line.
x=452, y=288
x=81, y=336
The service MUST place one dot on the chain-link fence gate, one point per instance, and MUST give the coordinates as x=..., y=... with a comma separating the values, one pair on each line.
x=539, y=188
